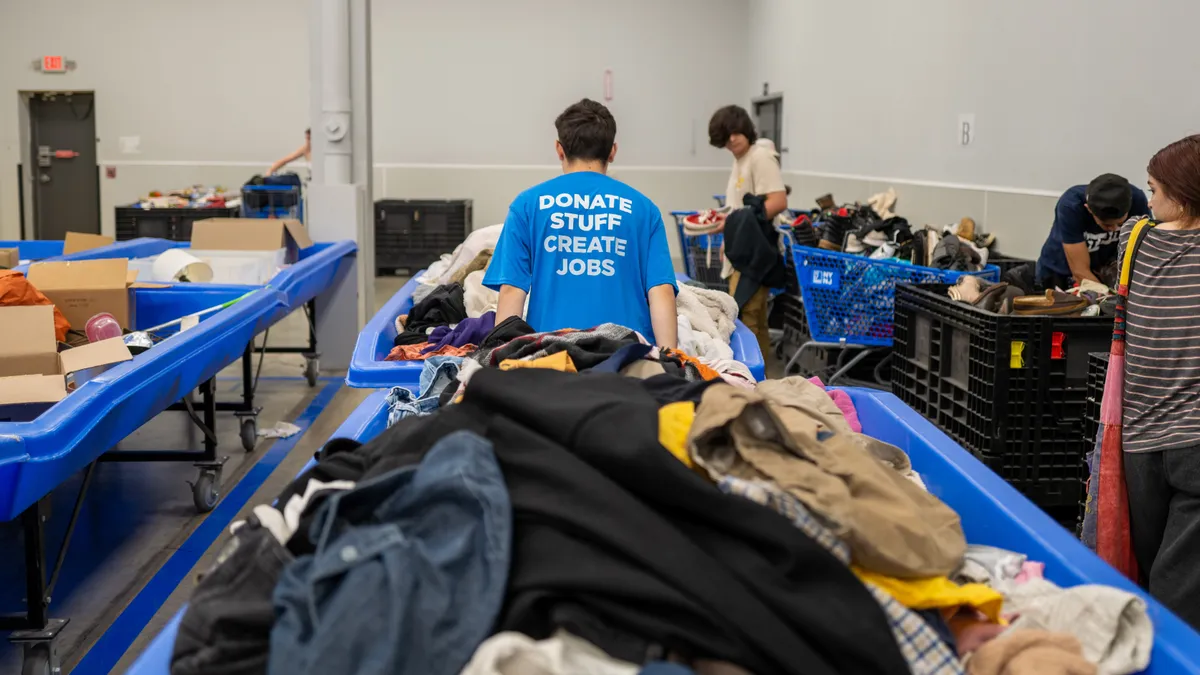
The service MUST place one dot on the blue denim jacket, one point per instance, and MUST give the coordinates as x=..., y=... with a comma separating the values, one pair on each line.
x=437, y=374
x=409, y=572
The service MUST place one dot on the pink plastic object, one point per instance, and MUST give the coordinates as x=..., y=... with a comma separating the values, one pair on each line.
x=102, y=327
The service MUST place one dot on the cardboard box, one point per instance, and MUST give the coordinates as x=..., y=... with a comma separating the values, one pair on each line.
x=9, y=258
x=83, y=288
x=251, y=234
x=31, y=368
x=74, y=242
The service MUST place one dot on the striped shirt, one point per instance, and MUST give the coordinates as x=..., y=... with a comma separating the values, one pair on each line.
x=1162, y=342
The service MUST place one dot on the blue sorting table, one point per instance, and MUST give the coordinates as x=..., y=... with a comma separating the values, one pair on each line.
x=52, y=249
x=38, y=455
x=992, y=513
x=369, y=370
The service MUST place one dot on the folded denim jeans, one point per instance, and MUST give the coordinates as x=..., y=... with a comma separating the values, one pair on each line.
x=409, y=571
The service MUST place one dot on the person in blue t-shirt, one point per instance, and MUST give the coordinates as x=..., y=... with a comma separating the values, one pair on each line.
x=585, y=248
x=1087, y=228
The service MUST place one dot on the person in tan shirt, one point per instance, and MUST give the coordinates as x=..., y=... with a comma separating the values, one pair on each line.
x=755, y=171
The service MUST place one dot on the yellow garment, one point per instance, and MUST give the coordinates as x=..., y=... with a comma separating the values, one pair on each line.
x=937, y=592
x=560, y=361
x=674, y=422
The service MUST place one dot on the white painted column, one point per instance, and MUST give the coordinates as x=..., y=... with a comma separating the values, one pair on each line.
x=339, y=195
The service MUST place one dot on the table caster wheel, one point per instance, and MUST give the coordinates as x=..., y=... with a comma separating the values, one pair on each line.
x=249, y=433
x=205, y=491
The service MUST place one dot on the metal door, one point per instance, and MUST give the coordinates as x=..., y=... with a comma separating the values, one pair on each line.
x=768, y=112
x=66, y=182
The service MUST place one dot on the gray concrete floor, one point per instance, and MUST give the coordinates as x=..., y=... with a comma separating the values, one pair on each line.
x=136, y=515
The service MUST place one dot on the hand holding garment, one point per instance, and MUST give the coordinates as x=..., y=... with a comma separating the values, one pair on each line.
x=409, y=570
x=892, y=525
x=752, y=248
x=1030, y=652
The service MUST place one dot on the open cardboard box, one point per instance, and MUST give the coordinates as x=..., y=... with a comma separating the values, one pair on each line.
x=31, y=368
x=84, y=288
x=74, y=242
x=251, y=234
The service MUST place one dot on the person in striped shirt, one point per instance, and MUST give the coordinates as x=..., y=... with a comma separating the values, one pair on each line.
x=1161, y=416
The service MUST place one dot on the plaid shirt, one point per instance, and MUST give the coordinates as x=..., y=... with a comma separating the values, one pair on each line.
x=924, y=651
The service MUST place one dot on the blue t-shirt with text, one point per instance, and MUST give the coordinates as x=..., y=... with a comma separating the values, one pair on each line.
x=587, y=248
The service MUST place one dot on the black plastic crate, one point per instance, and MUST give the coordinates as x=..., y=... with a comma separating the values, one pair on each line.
x=1007, y=262
x=175, y=224
x=706, y=266
x=1097, y=370
x=1010, y=389
x=412, y=233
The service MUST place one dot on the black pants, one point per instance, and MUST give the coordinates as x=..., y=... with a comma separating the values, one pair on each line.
x=1164, y=510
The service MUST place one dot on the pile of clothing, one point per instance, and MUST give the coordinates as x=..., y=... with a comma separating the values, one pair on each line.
x=455, y=315
x=874, y=230
x=194, y=197
x=554, y=522
x=1008, y=297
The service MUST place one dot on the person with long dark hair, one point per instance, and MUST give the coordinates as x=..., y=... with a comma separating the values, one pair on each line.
x=1160, y=415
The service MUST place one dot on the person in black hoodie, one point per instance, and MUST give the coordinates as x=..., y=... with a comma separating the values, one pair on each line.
x=752, y=247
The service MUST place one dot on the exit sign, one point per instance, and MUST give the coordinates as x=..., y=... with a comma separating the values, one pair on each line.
x=54, y=64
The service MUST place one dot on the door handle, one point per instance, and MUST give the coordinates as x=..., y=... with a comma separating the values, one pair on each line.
x=44, y=178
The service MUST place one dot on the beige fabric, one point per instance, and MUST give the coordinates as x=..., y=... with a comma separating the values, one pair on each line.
x=1111, y=624
x=883, y=203
x=479, y=299
x=754, y=313
x=478, y=263
x=892, y=526
x=514, y=653
x=755, y=173
x=1030, y=652
x=440, y=271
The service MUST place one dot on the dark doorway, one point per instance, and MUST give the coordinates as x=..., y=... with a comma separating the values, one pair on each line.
x=768, y=115
x=62, y=164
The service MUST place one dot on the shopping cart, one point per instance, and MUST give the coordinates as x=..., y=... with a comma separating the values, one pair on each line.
x=848, y=300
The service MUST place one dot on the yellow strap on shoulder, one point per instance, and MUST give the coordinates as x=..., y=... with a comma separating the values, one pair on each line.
x=1130, y=248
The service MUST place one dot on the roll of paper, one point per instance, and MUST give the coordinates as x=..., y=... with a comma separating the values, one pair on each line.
x=177, y=264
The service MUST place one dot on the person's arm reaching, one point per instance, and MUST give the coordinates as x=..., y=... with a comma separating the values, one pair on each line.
x=663, y=316
x=511, y=303
x=287, y=160
x=1080, y=262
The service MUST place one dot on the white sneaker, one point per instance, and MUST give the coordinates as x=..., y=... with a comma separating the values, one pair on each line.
x=875, y=239
x=887, y=250
x=853, y=245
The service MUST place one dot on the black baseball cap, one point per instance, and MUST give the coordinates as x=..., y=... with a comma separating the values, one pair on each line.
x=1109, y=197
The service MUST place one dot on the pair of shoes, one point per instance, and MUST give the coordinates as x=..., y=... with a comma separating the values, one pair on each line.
x=885, y=251
x=1054, y=303
x=834, y=228
x=706, y=222
x=967, y=289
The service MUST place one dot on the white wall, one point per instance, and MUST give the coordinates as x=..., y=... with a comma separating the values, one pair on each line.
x=1061, y=91
x=465, y=94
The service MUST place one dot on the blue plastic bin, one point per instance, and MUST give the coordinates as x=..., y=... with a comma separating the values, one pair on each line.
x=369, y=370
x=849, y=298
x=35, y=249
x=992, y=513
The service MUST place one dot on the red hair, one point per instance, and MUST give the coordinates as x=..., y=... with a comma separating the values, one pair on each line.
x=1176, y=168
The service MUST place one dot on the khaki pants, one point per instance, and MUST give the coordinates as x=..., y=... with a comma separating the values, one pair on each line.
x=754, y=314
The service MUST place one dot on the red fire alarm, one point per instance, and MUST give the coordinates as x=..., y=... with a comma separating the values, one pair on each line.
x=54, y=64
